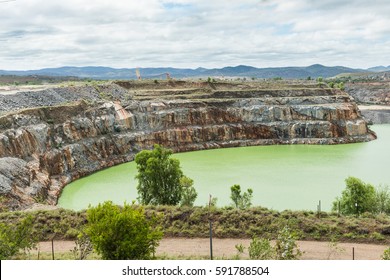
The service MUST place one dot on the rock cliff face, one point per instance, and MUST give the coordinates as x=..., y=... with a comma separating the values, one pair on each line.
x=43, y=149
x=372, y=93
x=376, y=92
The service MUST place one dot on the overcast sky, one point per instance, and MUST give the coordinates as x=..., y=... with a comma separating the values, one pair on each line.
x=37, y=34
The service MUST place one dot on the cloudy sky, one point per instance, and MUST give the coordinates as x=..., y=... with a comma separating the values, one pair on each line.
x=36, y=34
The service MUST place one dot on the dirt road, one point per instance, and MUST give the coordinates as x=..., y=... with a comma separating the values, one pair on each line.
x=225, y=248
x=374, y=107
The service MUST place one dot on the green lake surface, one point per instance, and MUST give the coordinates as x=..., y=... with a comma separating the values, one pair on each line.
x=282, y=176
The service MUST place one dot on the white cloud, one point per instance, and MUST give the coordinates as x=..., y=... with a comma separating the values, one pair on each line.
x=189, y=33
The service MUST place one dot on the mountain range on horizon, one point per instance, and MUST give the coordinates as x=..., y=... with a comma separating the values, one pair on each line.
x=100, y=72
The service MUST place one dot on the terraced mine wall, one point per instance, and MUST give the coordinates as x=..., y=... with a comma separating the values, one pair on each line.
x=42, y=149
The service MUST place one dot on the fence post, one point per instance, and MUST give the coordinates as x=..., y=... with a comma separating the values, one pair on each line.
x=339, y=207
x=319, y=209
x=210, y=230
x=52, y=248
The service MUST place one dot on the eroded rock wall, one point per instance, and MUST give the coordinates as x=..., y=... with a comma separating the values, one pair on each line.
x=43, y=149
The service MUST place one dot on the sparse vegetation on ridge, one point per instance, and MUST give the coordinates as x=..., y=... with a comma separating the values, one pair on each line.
x=227, y=223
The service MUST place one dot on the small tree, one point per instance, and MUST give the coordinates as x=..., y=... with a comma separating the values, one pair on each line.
x=358, y=197
x=158, y=177
x=241, y=201
x=341, y=86
x=122, y=233
x=334, y=249
x=382, y=199
x=261, y=249
x=286, y=246
x=189, y=193
x=14, y=238
x=83, y=247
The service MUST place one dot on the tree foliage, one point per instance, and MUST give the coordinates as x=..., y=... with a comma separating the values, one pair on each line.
x=357, y=198
x=161, y=181
x=189, y=193
x=158, y=177
x=83, y=247
x=16, y=237
x=122, y=233
x=386, y=254
x=382, y=200
x=286, y=247
x=261, y=249
x=241, y=201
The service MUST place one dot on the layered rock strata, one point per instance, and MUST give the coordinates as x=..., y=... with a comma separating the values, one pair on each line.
x=43, y=149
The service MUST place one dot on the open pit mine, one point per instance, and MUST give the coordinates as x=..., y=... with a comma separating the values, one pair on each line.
x=51, y=137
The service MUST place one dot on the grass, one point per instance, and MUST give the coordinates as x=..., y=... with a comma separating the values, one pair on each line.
x=48, y=256
x=94, y=256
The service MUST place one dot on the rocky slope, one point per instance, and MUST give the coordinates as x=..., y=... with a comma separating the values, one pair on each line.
x=372, y=93
x=44, y=148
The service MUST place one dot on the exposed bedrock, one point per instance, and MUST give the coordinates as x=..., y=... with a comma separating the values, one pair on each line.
x=377, y=116
x=44, y=149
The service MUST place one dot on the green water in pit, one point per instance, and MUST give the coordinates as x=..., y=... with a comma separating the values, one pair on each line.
x=282, y=177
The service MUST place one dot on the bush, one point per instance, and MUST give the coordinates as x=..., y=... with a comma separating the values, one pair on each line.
x=286, y=247
x=261, y=249
x=386, y=254
x=83, y=247
x=121, y=233
x=14, y=238
x=357, y=198
x=189, y=193
x=382, y=200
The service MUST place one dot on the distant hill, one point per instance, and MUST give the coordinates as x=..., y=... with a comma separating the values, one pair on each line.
x=99, y=72
x=379, y=69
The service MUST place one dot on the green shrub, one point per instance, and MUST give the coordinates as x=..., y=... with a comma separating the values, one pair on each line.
x=357, y=198
x=121, y=233
x=189, y=193
x=83, y=247
x=382, y=199
x=14, y=238
x=261, y=249
x=377, y=236
x=286, y=247
x=386, y=254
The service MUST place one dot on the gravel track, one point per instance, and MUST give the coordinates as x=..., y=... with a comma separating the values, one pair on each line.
x=225, y=248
